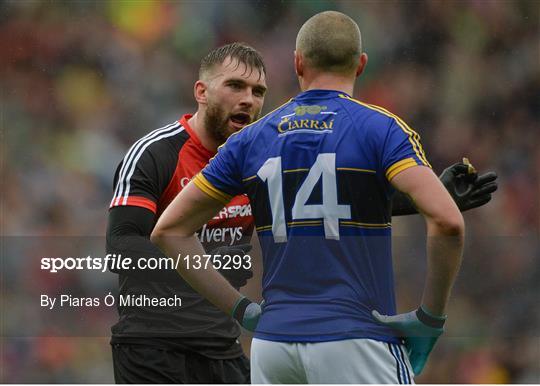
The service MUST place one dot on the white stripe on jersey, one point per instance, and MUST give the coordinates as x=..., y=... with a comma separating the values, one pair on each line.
x=133, y=156
x=126, y=194
x=129, y=156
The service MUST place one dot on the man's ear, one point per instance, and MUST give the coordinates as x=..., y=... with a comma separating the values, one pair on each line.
x=199, y=91
x=361, y=64
x=298, y=63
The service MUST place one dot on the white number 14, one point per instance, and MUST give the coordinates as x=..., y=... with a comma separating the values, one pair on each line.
x=330, y=211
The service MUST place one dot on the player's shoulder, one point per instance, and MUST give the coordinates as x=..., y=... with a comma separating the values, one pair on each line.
x=375, y=118
x=165, y=139
x=373, y=113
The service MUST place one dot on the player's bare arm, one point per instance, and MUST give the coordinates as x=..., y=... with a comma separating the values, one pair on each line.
x=445, y=231
x=174, y=233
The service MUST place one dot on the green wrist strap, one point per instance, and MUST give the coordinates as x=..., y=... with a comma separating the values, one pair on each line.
x=429, y=319
x=239, y=308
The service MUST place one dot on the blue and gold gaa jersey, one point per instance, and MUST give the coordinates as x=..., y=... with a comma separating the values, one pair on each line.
x=317, y=173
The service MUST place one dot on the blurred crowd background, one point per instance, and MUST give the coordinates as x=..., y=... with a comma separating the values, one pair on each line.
x=80, y=81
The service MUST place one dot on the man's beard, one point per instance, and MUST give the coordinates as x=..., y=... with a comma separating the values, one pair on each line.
x=216, y=122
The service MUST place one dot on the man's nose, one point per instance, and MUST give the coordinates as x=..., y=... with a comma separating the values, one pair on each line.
x=247, y=98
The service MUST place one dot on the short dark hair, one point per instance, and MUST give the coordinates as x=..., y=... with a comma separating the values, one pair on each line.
x=330, y=41
x=242, y=52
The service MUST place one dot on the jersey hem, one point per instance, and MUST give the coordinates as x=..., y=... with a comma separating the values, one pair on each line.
x=323, y=338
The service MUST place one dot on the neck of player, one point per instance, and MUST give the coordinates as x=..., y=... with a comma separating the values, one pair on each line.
x=327, y=81
x=196, y=122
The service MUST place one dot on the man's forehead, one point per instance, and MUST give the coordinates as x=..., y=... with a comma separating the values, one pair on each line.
x=234, y=68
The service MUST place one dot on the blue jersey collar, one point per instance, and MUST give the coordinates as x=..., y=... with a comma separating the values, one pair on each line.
x=318, y=93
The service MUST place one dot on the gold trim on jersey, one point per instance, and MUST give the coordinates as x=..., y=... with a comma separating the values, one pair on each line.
x=358, y=170
x=304, y=223
x=342, y=168
x=413, y=136
x=307, y=170
x=296, y=170
x=400, y=166
x=249, y=178
x=206, y=186
x=320, y=222
x=364, y=225
x=263, y=228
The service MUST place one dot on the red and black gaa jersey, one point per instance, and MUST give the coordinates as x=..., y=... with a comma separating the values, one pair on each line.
x=160, y=164
x=153, y=172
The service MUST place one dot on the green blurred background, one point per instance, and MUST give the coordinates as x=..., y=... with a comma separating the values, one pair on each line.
x=80, y=81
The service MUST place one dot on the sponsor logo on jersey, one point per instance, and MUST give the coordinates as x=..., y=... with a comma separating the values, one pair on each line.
x=220, y=235
x=184, y=181
x=318, y=120
x=310, y=109
x=289, y=124
x=234, y=211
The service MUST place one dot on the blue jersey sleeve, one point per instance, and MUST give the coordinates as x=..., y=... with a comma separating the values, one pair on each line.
x=402, y=149
x=222, y=177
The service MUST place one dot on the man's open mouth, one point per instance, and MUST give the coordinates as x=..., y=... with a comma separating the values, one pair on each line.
x=240, y=119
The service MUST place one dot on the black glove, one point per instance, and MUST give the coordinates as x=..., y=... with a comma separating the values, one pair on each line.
x=237, y=277
x=469, y=190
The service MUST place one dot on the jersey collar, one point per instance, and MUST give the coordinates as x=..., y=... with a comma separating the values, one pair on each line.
x=184, y=122
x=319, y=93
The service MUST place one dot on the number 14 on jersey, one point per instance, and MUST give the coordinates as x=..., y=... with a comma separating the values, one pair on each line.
x=330, y=211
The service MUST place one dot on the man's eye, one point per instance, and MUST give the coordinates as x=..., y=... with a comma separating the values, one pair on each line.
x=235, y=86
x=258, y=93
